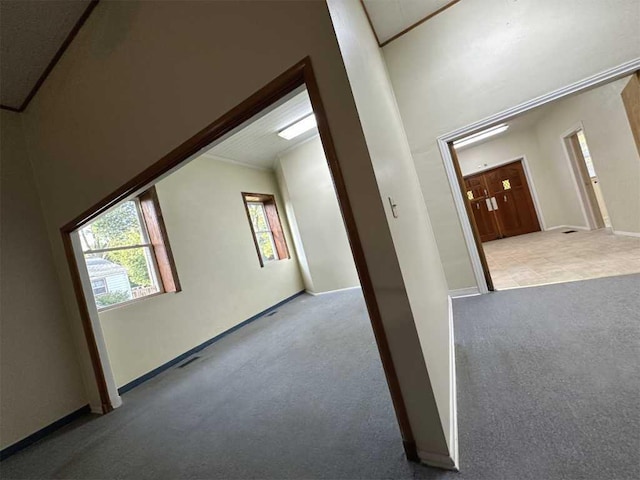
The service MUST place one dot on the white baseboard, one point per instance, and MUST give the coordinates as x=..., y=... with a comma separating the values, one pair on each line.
x=439, y=460
x=315, y=294
x=464, y=292
x=573, y=227
x=453, y=395
x=626, y=234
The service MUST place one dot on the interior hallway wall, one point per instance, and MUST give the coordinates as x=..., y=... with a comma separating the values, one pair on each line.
x=142, y=77
x=420, y=266
x=610, y=140
x=40, y=378
x=222, y=281
x=480, y=57
x=313, y=210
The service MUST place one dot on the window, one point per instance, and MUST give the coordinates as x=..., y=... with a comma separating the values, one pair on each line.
x=99, y=286
x=265, y=227
x=127, y=253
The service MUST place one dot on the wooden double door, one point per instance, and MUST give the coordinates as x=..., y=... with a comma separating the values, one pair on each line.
x=501, y=202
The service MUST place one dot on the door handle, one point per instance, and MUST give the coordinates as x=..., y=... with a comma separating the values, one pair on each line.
x=478, y=206
x=505, y=198
x=494, y=203
x=489, y=205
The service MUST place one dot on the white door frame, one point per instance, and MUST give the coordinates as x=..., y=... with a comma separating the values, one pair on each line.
x=583, y=199
x=444, y=140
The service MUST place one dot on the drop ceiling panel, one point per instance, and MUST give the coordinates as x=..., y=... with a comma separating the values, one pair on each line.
x=390, y=17
x=258, y=143
x=31, y=32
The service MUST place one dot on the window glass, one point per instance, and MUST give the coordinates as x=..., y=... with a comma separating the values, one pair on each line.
x=262, y=231
x=119, y=257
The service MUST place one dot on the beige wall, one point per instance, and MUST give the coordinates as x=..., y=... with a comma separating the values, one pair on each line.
x=222, y=281
x=313, y=210
x=480, y=57
x=142, y=77
x=611, y=144
x=40, y=378
x=425, y=307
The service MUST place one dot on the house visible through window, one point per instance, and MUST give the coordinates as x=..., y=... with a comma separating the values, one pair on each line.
x=99, y=286
x=266, y=227
x=126, y=252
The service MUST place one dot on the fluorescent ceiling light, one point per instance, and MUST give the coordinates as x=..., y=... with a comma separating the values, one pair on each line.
x=476, y=137
x=303, y=125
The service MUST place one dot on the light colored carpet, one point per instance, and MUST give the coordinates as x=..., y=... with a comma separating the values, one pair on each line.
x=547, y=386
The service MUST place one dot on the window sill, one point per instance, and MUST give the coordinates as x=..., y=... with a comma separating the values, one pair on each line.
x=130, y=302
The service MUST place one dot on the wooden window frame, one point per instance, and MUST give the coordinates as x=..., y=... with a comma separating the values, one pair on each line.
x=155, y=241
x=159, y=239
x=274, y=221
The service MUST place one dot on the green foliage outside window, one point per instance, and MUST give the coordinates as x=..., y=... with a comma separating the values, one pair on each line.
x=111, y=298
x=120, y=227
x=262, y=231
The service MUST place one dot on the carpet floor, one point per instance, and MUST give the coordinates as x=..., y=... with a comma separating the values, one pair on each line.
x=548, y=388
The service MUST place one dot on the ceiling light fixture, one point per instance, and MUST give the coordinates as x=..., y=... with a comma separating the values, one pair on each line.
x=476, y=137
x=298, y=128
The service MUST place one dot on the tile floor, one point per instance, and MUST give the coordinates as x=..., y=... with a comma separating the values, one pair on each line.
x=553, y=257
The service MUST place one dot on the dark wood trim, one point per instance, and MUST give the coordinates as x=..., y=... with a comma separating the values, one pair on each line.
x=300, y=74
x=472, y=220
x=87, y=327
x=10, y=109
x=366, y=283
x=67, y=41
x=419, y=22
x=366, y=12
x=152, y=215
x=273, y=218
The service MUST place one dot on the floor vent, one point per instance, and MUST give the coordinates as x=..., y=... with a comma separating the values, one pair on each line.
x=191, y=360
x=271, y=314
x=570, y=231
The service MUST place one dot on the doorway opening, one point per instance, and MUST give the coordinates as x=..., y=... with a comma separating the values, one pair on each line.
x=540, y=200
x=585, y=172
x=260, y=203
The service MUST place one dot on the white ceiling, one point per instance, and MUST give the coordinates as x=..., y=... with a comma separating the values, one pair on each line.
x=523, y=122
x=390, y=17
x=257, y=144
x=31, y=32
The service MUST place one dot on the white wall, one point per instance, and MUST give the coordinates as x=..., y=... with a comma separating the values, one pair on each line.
x=420, y=267
x=611, y=144
x=40, y=379
x=222, y=281
x=142, y=77
x=480, y=57
x=313, y=210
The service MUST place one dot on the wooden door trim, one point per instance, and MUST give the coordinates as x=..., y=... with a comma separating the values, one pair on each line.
x=298, y=75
